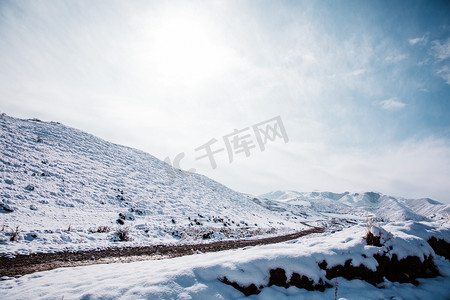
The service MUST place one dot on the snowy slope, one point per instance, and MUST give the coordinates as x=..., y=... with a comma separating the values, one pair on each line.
x=199, y=276
x=64, y=189
x=54, y=178
x=58, y=185
x=369, y=203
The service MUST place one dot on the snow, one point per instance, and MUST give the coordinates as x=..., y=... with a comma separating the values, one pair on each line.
x=54, y=178
x=364, y=204
x=197, y=276
x=64, y=189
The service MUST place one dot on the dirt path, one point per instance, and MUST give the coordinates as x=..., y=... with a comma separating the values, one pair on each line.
x=26, y=264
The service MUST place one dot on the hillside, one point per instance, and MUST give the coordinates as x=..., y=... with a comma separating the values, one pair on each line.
x=64, y=189
x=61, y=185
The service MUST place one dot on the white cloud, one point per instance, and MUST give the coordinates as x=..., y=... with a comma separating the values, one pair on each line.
x=395, y=58
x=419, y=40
x=357, y=72
x=444, y=72
x=390, y=104
x=441, y=50
x=413, y=168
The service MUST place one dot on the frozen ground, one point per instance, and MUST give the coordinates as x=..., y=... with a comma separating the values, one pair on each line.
x=198, y=276
x=63, y=189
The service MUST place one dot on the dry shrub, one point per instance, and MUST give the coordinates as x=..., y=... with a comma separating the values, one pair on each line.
x=123, y=234
x=15, y=234
x=370, y=238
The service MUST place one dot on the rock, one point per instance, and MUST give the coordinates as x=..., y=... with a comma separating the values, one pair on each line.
x=29, y=187
x=6, y=208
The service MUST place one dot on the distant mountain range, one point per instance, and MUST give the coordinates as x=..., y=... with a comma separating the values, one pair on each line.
x=380, y=205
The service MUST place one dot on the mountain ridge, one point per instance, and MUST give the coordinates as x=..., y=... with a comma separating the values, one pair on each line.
x=385, y=206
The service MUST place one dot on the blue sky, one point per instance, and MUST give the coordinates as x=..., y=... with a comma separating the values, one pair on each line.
x=362, y=87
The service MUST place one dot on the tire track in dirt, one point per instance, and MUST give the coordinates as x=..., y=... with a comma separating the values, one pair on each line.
x=27, y=264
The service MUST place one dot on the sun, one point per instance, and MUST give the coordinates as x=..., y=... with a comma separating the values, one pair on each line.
x=186, y=49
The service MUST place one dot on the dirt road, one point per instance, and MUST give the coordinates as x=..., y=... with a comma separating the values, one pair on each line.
x=26, y=264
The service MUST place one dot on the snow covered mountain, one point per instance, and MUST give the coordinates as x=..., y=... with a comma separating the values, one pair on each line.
x=61, y=185
x=368, y=203
x=64, y=189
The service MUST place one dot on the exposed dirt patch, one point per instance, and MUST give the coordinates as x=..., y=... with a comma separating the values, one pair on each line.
x=278, y=277
x=246, y=290
x=26, y=264
x=441, y=247
x=404, y=270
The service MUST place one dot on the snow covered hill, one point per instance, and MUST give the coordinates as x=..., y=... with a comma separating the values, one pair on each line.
x=369, y=203
x=65, y=188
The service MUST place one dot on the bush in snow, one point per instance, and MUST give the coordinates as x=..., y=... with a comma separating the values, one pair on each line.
x=100, y=229
x=103, y=229
x=370, y=238
x=122, y=234
x=15, y=234
x=376, y=236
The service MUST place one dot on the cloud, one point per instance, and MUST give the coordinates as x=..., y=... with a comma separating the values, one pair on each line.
x=403, y=169
x=419, y=40
x=413, y=168
x=357, y=72
x=390, y=104
x=441, y=53
x=444, y=72
x=395, y=58
x=441, y=50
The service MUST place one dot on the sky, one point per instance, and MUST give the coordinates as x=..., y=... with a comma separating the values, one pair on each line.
x=362, y=88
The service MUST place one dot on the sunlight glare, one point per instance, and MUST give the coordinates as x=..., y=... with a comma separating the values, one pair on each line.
x=187, y=51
